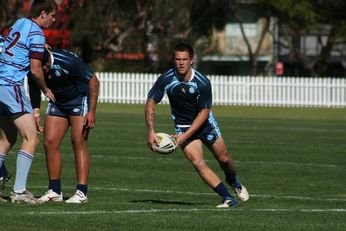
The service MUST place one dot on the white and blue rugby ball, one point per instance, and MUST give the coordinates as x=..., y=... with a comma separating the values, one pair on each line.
x=166, y=145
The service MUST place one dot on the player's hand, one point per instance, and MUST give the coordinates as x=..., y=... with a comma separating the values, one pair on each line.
x=89, y=120
x=49, y=94
x=153, y=140
x=37, y=117
x=180, y=138
x=47, y=46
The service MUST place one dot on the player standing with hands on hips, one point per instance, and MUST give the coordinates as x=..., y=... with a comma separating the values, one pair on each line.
x=23, y=51
x=76, y=88
x=190, y=97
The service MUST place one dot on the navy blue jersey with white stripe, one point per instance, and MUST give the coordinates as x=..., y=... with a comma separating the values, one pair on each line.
x=69, y=76
x=186, y=98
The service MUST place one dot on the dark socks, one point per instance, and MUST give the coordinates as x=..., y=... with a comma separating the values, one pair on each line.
x=222, y=191
x=55, y=185
x=3, y=171
x=83, y=188
x=232, y=180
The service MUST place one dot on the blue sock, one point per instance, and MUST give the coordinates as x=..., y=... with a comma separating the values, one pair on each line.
x=83, y=188
x=24, y=161
x=232, y=180
x=55, y=185
x=2, y=165
x=223, y=192
x=3, y=170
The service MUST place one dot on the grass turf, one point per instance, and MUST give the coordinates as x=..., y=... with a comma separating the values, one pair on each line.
x=292, y=160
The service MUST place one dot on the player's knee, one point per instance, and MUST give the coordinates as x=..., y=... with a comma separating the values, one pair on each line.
x=198, y=163
x=32, y=141
x=78, y=141
x=6, y=144
x=50, y=143
x=224, y=158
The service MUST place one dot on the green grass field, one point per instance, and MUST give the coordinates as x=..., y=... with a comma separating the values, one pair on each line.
x=292, y=160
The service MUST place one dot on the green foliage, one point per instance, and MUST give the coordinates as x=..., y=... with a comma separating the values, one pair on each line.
x=209, y=14
x=291, y=160
x=308, y=17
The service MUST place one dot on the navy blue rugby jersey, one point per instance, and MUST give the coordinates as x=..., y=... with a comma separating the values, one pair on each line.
x=186, y=98
x=69, y=76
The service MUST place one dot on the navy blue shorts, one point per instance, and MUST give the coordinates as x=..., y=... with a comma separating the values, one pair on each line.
x=75, y=107
x=208, y=133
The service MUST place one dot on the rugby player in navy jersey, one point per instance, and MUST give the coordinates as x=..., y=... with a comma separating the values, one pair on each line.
x=22, y=51
x=75, y=87
x=190, y=97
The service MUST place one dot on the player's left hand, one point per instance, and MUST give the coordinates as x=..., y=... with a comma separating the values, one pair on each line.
x=89, y=120
x=180, y=138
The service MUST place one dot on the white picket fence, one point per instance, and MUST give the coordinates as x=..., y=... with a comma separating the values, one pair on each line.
x=132, y=88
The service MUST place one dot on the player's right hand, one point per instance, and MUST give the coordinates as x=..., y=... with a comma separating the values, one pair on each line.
x=152, y=140
x=37, y=117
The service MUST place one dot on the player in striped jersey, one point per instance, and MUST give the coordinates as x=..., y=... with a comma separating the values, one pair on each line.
x=22, y=51
x=190, y=97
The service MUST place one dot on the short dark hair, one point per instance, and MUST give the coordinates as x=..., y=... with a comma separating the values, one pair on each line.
x=42, y=5
x=183, y=47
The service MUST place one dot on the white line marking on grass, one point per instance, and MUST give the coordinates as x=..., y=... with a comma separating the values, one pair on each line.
x=213, y=194
x=185, y=211
x=243, y=161
x=288, y=197
x=237, y=161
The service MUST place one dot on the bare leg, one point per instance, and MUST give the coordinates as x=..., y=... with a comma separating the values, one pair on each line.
x=79, y=141
x=8, y=134
x=54, y=130
x=194, y=152
x=27, y=129
x=220, y=152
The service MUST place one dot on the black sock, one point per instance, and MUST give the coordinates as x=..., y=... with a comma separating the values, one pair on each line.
x=232, y=180
x=222, y=191
x=55, y=185
x=3, y=171
x=83, y=188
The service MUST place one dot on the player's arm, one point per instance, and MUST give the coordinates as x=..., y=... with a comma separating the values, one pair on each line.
x=93, y=96
x=35, y=99
x=196, y=124
x=38, y=76
x=149, y=119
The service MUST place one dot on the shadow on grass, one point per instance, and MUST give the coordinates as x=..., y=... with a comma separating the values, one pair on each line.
x=165, y=202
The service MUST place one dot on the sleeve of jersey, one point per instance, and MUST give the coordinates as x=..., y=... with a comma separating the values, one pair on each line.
x=158, y=90
x=36, y=41
x=205, y=98
x=82, y=70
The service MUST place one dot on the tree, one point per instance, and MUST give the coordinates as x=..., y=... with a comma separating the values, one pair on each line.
x=306, y=17
x=9, y=11
x=209, y=15
x=103, y=28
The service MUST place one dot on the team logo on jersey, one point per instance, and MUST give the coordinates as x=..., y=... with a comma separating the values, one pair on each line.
x=192, y=90
x=76, y=110
x=210, y=137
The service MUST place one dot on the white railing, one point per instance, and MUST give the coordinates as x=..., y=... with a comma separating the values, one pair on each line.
x=132, y=88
